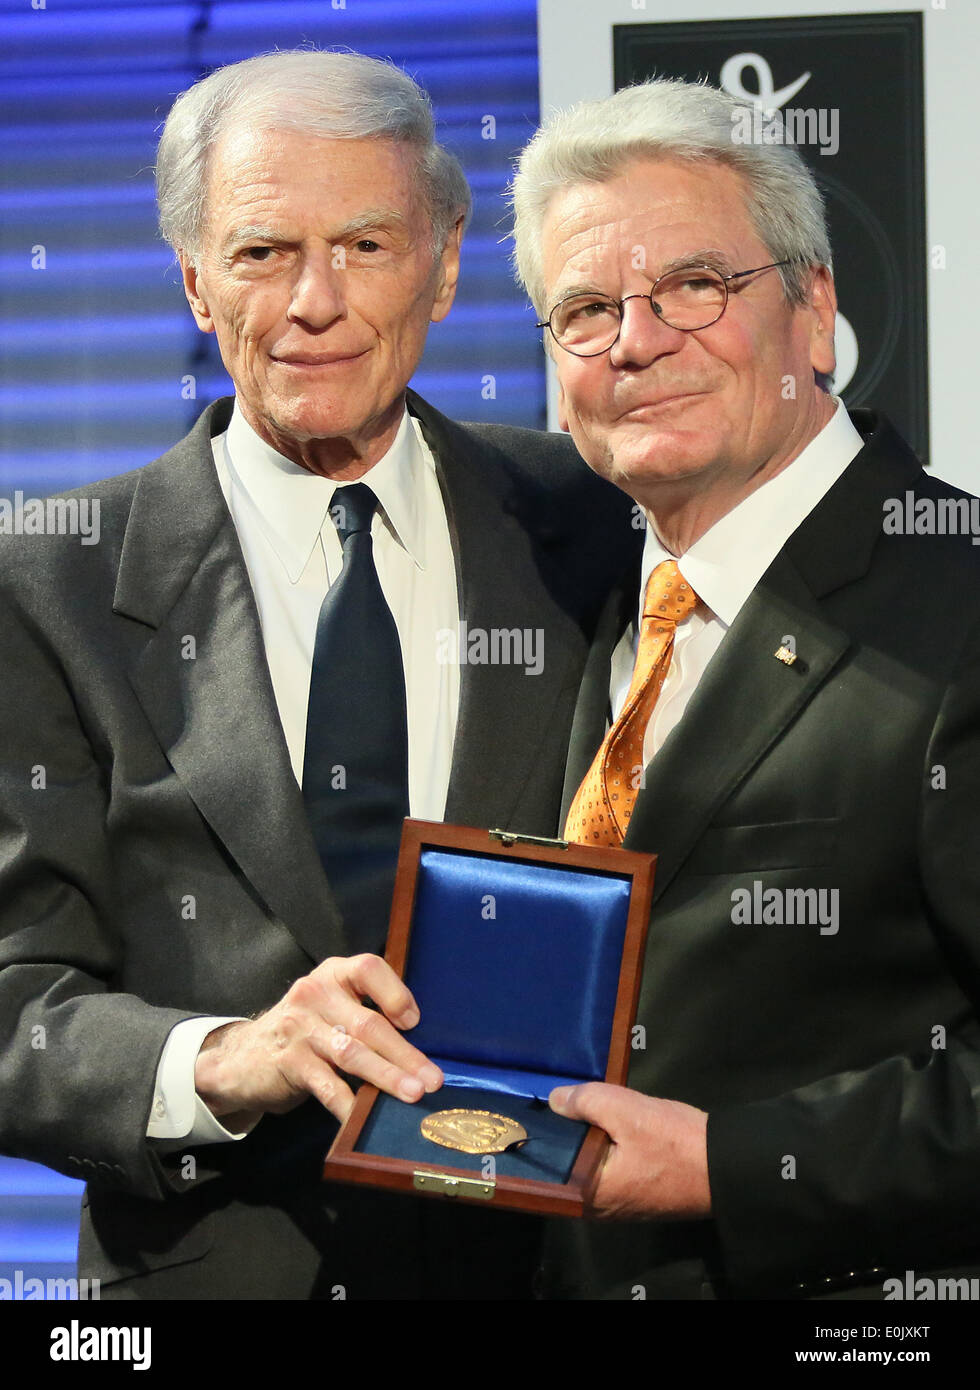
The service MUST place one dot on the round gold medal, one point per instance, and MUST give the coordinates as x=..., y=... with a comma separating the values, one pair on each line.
x=472, y=1131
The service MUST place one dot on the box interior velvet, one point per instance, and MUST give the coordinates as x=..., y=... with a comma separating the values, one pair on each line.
x=524, y=957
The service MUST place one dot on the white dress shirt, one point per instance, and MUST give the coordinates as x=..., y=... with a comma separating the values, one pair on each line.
x=723, y=568
x=293, y=554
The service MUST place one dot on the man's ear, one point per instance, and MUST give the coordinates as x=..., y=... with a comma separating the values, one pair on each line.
x=448, y=273
x=823, y=308
x=195, y=292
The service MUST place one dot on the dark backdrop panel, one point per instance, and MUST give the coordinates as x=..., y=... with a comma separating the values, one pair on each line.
x=868, y=70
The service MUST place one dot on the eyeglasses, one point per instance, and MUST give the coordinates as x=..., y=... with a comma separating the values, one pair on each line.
x=692, y=298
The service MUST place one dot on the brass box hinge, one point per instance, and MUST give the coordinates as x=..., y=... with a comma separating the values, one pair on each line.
x=451, y=1186
x=511, y=837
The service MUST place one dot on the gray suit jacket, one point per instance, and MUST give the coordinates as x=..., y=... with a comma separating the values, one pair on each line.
x=156, y=862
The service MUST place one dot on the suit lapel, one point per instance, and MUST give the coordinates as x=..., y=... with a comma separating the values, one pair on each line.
x=502, y=710
x=203, y=682
x=744, y=701
x=747, y=697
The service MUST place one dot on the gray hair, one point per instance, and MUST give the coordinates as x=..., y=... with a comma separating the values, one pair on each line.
x=336, y=95
x=666, y=119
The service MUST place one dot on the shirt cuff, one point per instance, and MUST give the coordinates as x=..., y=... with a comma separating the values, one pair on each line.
x=178, y=1115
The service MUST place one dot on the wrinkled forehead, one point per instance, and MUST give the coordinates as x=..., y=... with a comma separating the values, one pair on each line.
x=275, y=171
x=650, y=213
x=242, y=141
x=244, y=148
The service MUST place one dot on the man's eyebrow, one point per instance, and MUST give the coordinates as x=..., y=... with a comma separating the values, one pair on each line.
x=709, y=256
x=374, y=219
x=253, y=231
x=584, y=287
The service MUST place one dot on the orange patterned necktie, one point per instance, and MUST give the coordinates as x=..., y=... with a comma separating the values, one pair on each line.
x=603, y=804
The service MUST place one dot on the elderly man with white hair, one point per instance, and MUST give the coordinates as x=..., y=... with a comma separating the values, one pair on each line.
x=783, y=703
x=215, y=721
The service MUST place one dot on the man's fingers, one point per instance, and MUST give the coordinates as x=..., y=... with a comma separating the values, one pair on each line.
x=319, y=1029
x=330, y=1090
x=370, y=977
x=368, y=1033
x=594, y=1102
x=358, y=1058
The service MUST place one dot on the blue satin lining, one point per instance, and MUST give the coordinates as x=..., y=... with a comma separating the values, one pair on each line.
x=516, y=965
x=532, y=1084
x=393, y=1130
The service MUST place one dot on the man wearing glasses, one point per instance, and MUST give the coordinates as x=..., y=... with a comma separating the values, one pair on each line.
x=784, y=705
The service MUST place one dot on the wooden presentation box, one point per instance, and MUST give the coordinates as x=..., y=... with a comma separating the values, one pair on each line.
x=524, y=957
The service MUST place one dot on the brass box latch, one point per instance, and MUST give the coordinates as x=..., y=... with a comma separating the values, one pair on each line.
x=511, y=837
x=451, y=1186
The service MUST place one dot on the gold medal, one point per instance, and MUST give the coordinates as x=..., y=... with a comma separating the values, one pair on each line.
x=472, y=1131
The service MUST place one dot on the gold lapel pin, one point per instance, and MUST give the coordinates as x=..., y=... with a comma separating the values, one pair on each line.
x=785, y=655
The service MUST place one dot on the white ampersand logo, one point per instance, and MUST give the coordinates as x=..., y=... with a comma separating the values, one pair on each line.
x=767, y=99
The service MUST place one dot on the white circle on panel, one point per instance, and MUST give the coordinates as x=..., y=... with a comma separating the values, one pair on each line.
x=846, y=353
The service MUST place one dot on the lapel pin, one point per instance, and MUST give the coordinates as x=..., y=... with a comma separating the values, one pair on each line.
x=785, y=654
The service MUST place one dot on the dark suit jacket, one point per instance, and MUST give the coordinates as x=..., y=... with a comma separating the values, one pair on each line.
x=841, y=1072
x=156, y=862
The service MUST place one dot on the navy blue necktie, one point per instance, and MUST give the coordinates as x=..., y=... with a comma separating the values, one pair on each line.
x=355, y=770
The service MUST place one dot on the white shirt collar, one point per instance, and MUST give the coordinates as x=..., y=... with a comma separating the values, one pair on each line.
x=726, y=564
x=291, y=504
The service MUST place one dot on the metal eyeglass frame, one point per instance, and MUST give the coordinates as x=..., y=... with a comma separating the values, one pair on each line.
x=736, y=275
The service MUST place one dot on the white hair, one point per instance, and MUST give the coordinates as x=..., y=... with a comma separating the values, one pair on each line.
x=667, y=119
x=336, y=95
